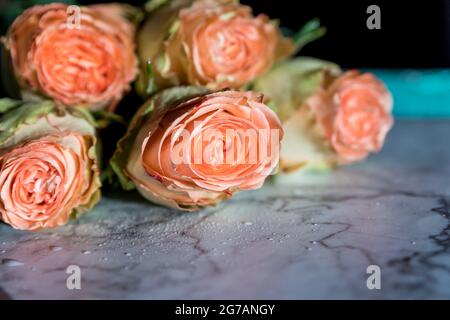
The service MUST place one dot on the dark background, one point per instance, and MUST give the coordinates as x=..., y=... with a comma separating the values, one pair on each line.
x=414, y=34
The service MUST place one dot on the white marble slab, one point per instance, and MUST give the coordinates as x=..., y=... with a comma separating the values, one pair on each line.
x=299, y=237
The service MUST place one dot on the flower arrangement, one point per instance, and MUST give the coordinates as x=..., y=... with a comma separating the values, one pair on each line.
x=225, y=104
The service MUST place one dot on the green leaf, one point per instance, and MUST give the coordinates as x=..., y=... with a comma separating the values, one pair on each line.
x=7, y=104
x=105, y=118
x=310, y=32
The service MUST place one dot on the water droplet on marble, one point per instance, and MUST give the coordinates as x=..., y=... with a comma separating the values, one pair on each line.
x=270, y=239
x=246, y=223
x=12, y=263
x=86, y=252
x=3, y=251
x=128, y=254
x=413, y=242
x=313, y=242
x=55, y=248
x=308, y=248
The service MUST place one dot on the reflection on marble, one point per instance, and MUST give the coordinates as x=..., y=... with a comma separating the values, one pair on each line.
x=301, y=236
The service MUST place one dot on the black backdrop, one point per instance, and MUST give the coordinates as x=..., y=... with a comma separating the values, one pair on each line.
x=413, y=34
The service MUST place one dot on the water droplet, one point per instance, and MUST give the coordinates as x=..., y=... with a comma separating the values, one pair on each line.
x=3, y=251
x=55, y=248
x=270, y=239
x=313, y=242
x=246, y=223
x=86, y=252
x=128, y=254
x=413, y=242
x=12, y=263
x=308, y=248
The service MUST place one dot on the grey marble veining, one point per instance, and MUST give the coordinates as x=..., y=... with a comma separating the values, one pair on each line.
x=301, y=236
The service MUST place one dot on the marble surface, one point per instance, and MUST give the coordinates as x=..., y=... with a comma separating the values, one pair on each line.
x=301, y=236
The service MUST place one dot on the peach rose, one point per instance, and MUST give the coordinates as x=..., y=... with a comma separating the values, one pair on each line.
x=48, y=168
x=355, y=114
x=81, y=56
x=329, y=117
x=217, y=44
x=197, y=149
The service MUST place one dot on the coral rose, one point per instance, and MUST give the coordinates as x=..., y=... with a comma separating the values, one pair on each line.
x=329, y=118
x=213, y=43
x=187, y=148
x=355, y=114
x=48, y=167
x=74, y=55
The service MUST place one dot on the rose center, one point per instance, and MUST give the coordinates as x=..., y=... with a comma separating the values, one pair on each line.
x=41, y=186
x=361, y=115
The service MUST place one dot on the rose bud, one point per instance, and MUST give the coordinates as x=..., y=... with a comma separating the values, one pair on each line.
x=214, y=43
x=73, y=55
x=48, y=165
x=187, y=148
x=329, y=117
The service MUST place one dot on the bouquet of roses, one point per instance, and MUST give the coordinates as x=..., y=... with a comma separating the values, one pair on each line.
x=224, y=105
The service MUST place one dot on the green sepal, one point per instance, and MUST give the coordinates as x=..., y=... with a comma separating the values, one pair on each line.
x=290, y=83
x=23, y=113
x=310, y=32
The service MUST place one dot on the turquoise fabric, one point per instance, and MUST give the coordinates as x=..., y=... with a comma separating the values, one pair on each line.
x=418, y=93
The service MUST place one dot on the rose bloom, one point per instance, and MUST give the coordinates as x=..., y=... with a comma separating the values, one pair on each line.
x=43, y=181
x=355, y=115
x=88, y=61
x=201, y=151
x=220, y=44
